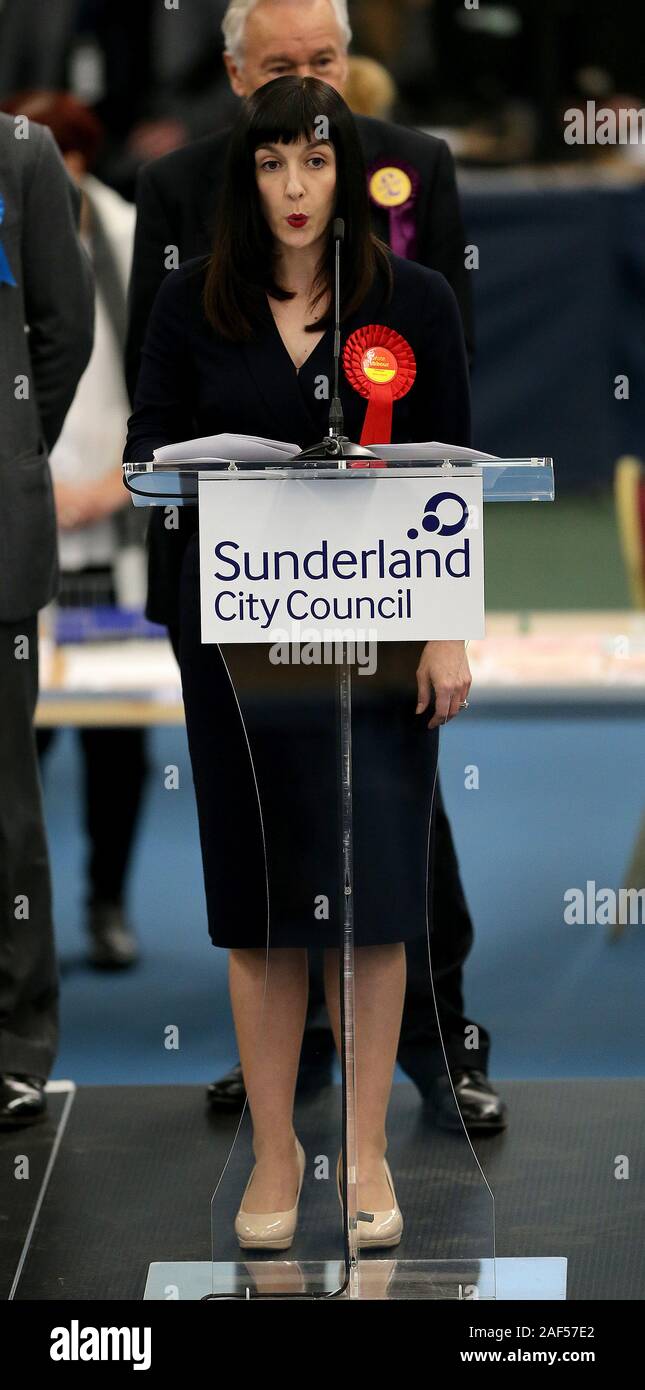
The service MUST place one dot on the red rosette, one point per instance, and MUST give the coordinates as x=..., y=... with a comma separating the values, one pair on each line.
x=381, y=366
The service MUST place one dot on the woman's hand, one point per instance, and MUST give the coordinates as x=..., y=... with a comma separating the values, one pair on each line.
x=444, y=668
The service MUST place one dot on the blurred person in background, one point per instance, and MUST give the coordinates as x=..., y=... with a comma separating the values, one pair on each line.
x=35, y=41
x=396, y=34
x=503, y=74
x=176, y=202
x=151, y=74
x=380, y=27
x=370, y=91
x=101, y=536
x=46, y=310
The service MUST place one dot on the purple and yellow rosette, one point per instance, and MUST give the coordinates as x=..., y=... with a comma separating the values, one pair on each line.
x=395, y=187
x=6, y=278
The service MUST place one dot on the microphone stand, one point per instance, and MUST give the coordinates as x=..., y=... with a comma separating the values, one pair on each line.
x=336, y=445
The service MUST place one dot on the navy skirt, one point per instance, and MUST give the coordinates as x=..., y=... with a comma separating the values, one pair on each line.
x=263, y=748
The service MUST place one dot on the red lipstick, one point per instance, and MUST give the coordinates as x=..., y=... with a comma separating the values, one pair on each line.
x=298, y=219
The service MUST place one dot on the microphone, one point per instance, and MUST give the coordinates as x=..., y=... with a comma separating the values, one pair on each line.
x=336, y=417
x=336, y=445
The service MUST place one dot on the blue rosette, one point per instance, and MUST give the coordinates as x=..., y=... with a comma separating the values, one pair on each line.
x=6, y=277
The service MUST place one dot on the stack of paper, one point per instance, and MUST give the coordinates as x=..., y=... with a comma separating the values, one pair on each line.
x=430, y=453
x=227, y=448
x=239, y=448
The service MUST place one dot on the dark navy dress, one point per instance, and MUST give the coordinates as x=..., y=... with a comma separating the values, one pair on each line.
x=263, y=738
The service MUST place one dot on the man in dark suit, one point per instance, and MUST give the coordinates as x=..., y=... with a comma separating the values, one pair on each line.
x=176, y=201
x=45, y=286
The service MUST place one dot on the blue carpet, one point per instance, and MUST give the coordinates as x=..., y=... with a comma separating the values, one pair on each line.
x=559, y=803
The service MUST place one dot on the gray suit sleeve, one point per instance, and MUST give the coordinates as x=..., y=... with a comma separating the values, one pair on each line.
x=58, y=284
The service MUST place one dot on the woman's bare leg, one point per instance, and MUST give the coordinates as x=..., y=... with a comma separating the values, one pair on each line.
x=269, y=1001
x=379, y=995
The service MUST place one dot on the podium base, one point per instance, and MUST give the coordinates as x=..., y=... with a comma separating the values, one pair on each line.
x=540, y=1279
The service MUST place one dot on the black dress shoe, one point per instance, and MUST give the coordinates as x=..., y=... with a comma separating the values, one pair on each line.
x=22, y=1101
x=229, y=1093
x=113, y=945
x=480, y=1106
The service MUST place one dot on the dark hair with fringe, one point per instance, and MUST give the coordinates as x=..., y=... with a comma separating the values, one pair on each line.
x=241, y=268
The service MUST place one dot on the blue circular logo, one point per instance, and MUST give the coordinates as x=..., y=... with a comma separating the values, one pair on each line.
x=432, y=520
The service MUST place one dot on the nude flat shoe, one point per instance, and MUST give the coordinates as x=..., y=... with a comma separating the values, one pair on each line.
x=272, y=1230
x=382, y=1228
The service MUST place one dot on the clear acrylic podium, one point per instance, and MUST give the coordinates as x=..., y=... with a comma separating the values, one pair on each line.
x=448, y=1245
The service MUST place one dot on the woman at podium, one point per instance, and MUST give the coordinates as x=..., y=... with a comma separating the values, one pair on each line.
x=242, y=342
